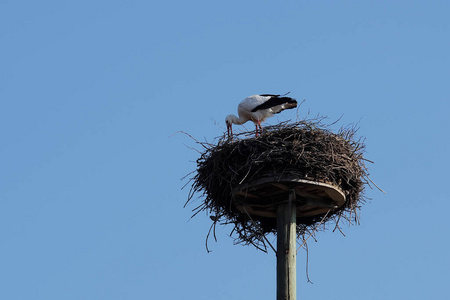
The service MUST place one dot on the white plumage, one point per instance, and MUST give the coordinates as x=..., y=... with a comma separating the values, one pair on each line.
x=258, y=108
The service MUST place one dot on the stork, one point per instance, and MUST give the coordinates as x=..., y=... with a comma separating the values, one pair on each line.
x=258, y=108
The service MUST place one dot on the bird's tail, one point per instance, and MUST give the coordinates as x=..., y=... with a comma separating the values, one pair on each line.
x=288, y=102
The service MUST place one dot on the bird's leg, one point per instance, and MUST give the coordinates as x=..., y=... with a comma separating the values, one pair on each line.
x=258, y=128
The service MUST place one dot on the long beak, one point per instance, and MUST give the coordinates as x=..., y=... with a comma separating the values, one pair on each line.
x=230, y=130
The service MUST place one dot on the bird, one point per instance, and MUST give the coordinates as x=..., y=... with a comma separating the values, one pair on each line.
x=258, y=108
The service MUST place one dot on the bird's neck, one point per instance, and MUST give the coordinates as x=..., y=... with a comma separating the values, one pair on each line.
x=238, y=120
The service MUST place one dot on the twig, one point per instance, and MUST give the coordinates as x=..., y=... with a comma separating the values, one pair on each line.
x=375, y=185
x=307, y=264
x=263, y=235
x=314, y=230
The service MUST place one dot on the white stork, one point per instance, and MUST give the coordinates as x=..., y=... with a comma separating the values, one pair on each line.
x=258, y=108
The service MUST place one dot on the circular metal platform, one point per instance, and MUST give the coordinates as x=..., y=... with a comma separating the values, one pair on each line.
x=261, y=197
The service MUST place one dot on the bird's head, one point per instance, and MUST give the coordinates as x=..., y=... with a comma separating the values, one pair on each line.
x=229, y=122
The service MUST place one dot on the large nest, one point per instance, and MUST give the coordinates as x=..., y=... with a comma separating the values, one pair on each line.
x=304, y=149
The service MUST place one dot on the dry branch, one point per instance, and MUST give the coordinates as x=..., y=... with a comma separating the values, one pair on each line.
x=304, y=149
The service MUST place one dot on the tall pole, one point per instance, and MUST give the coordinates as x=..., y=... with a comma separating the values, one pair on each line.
x=286, y=249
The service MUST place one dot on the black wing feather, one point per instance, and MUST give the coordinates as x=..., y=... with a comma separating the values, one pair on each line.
x=269, y=95
x=276, y=100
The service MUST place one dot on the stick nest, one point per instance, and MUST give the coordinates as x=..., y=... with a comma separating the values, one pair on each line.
x=306, y=149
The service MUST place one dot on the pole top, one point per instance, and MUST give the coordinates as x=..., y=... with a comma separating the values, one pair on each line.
x=260, y=197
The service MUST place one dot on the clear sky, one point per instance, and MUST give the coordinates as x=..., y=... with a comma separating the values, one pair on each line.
x=91, y=93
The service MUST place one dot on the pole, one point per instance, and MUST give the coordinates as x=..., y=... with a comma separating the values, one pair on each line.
x=286, y=249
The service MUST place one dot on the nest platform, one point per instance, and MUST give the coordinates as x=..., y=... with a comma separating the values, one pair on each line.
x=260, y=198
x=242, y=180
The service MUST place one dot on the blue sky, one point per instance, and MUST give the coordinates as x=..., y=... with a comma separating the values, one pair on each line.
x=91, y=93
